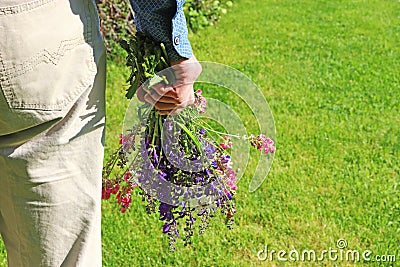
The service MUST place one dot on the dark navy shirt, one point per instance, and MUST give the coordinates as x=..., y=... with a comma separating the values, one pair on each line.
x=164, y=20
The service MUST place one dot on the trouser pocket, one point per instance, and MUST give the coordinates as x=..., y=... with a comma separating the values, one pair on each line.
x=46, y=59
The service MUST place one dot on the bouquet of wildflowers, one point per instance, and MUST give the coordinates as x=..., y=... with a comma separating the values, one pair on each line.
x=181, y=164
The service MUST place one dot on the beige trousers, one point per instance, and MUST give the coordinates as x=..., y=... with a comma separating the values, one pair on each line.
x=52, y=83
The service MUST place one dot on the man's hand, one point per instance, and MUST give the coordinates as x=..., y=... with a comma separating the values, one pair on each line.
x=169, y=99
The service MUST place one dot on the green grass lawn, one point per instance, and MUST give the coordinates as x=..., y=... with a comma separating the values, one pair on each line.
x=330, y=72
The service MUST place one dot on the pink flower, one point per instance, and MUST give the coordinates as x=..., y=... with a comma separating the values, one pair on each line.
x=108, y=189
x=262, y=143
x=232, y=185
x=223, y=145
x=270, y=149
x=126, y=140
x=227, y=191
x=200, y=102
x=115, y=189
x=227, y=143
x=232, y=176
x=126, y=201
x=268, y=142
x=105, y=194
x=127, y=175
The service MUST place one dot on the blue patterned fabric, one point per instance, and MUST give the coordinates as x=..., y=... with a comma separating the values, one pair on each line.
x=164, y=20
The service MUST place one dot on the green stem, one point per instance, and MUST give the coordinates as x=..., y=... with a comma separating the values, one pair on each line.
x=190, y=134
x=155, y=129
x=161, y=131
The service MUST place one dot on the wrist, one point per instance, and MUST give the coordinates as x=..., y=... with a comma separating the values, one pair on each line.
x=184, y=60
x=172, y=63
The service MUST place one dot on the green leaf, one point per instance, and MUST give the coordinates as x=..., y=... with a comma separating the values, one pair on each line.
x=132, y=89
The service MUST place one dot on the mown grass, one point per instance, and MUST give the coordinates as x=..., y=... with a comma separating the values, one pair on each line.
x=330, y=72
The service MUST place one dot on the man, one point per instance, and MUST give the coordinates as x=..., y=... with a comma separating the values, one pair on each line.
x=52, y=81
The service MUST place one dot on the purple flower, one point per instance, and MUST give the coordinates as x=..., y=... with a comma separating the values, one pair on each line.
x=209, y=149
x=201, y=212
x=155, y=157
x=192, y=219
x=165, y=211
x=166, y=227
x=198, y=180
x=214, y=164
x=225, y=159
